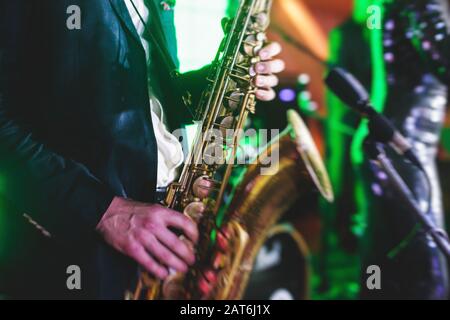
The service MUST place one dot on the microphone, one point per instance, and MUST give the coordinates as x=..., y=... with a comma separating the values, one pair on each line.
x=348, y=89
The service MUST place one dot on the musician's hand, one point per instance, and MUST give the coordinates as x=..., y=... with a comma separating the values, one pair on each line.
x=142, y=232
x=265, y=71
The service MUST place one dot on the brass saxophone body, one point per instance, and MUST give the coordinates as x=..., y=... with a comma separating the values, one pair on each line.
x=226, y=249
x=260, y=200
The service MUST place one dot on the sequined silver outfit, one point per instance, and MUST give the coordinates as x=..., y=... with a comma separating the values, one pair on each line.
x=416, y=52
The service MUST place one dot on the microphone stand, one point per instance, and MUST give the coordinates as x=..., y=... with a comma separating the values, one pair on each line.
x=440, y=237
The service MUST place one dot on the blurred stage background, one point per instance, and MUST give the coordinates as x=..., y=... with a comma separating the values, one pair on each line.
x=316, y=28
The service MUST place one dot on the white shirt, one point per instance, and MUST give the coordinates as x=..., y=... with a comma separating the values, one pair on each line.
x=170, y=152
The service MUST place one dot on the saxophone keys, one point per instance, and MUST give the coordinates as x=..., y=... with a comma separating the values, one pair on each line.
x=262, y=20
x=214, y=155
x=251, y=107
x=173, y=287
x=232, y=100
x=226, y=124
x=248, y=46
x=210, y=276
x=240, y=78
x=207, y=282
x=261, y=37
x=195, y=211
x=202, y=187
x=252, y=71
x=223, y=238
x=222, y=242
x=255, y=60
x=204, y=287
x=218, y=261
x=253, y=43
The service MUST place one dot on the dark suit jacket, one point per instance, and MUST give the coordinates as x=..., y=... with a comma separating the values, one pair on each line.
x=75, y=131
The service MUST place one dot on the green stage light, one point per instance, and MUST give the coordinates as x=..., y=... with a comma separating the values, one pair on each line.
x=378, y=98
x=199, y=31
x=379, y=85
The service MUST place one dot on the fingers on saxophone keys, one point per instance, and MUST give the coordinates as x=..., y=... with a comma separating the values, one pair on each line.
x=266, y=81
x=184, y=224
x=270, y=50
x=138, y=253
x=160, y=252
x=181, y=247
x=265, y=94
x=270, y=67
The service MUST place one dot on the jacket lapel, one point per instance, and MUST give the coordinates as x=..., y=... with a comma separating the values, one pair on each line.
x=121, y=10
x=159, y=40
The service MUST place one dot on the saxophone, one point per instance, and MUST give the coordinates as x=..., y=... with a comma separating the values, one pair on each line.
x=226, y=250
